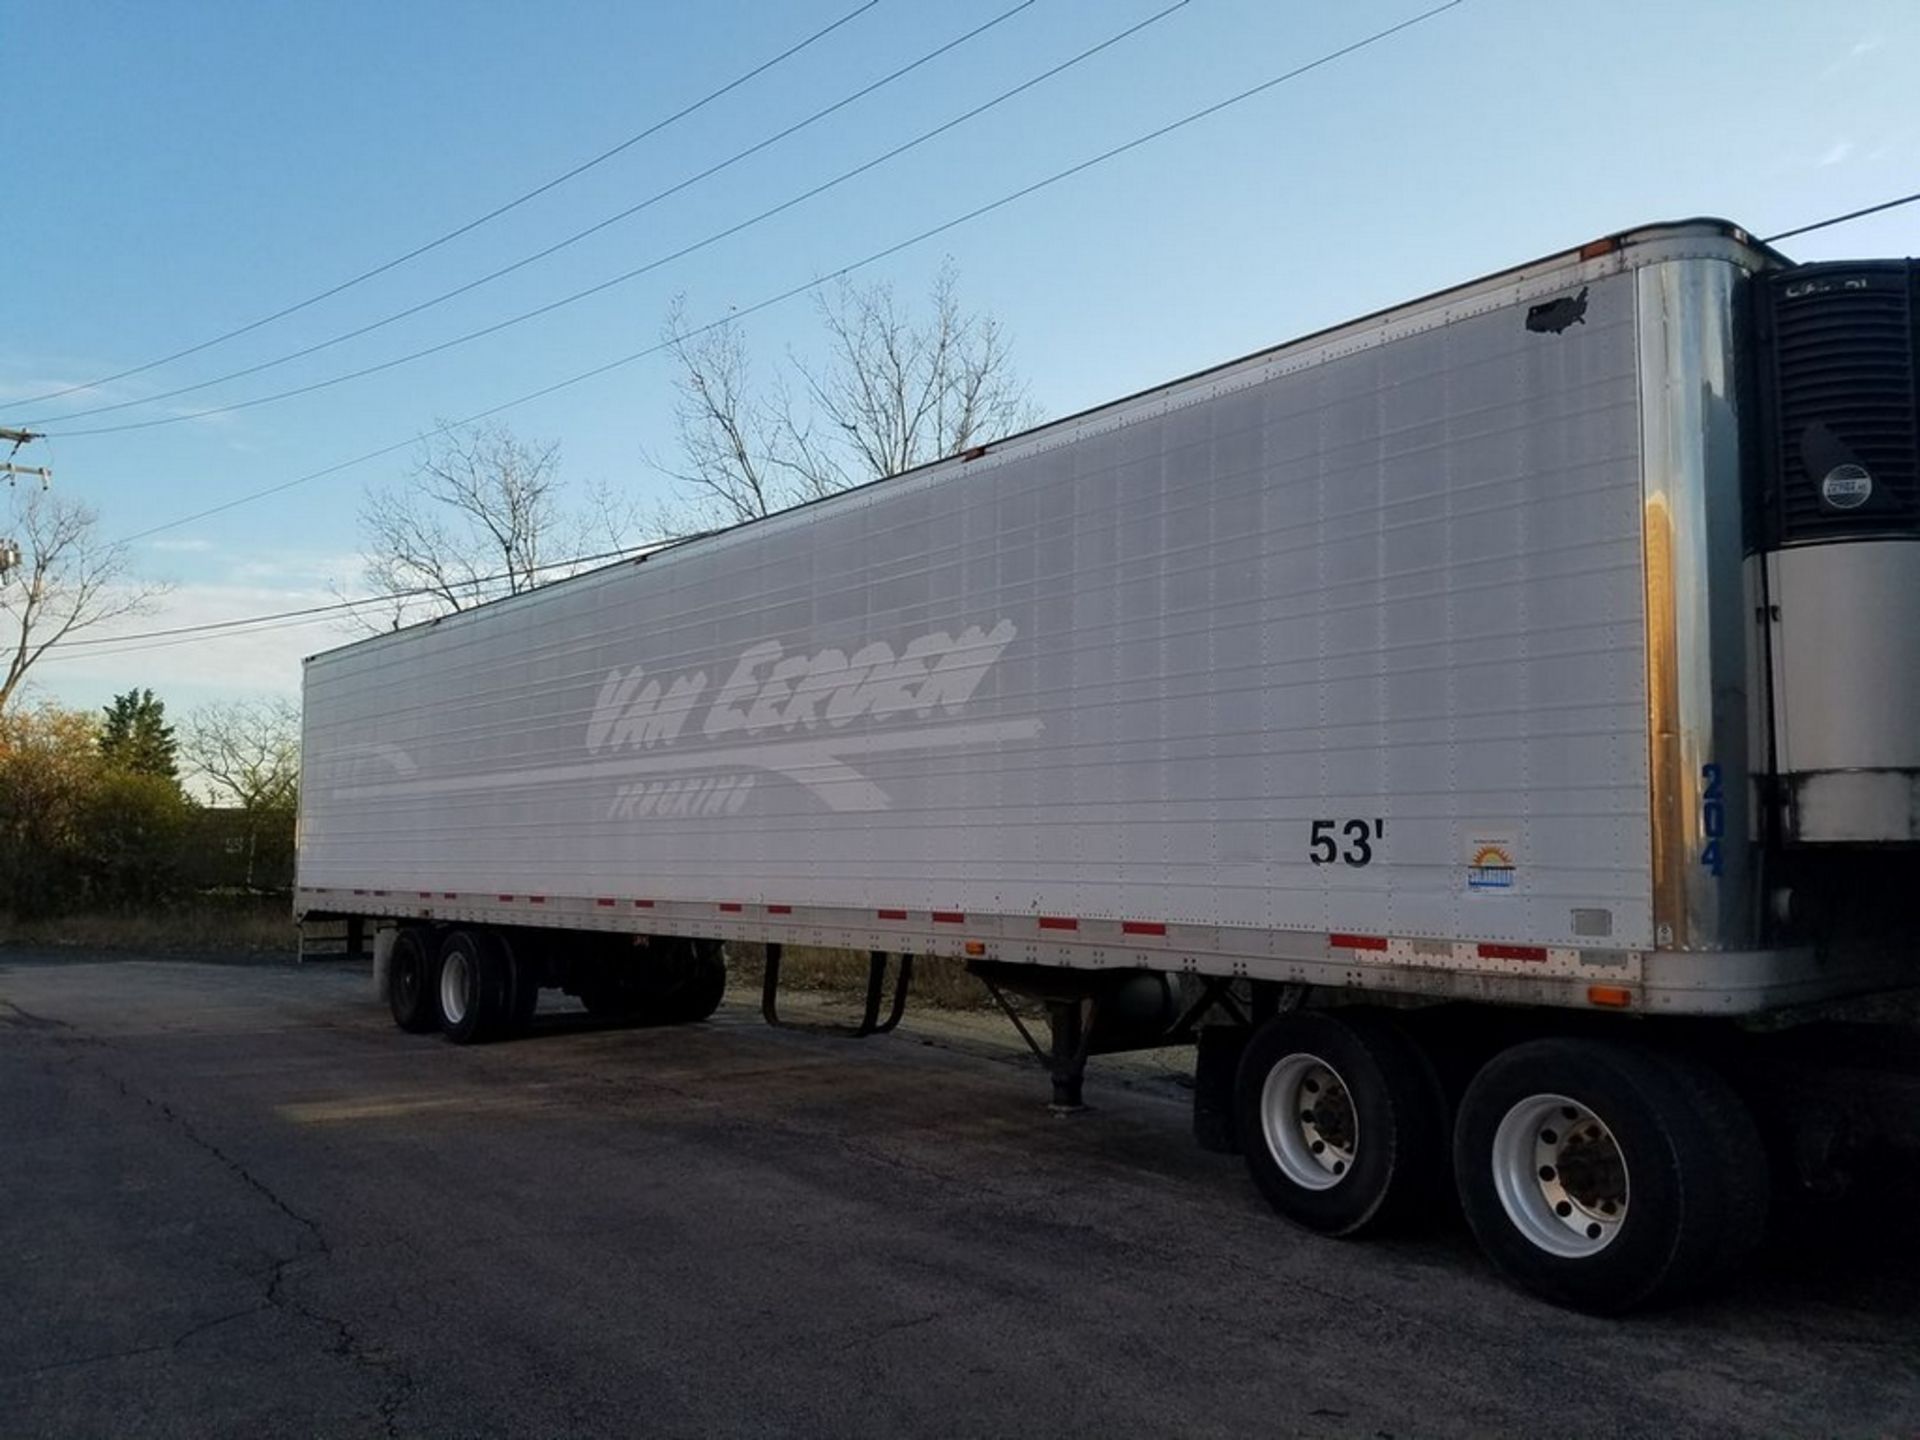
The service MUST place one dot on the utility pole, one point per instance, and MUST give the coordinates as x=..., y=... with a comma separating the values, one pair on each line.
x=9, y=547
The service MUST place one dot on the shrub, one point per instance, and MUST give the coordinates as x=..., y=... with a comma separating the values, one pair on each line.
x=49, y=768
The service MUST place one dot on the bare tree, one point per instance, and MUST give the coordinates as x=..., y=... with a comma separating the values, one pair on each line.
x=893, y=391
x=731, y=469
x=482, y=514
x=68, y=581
x=245, y=753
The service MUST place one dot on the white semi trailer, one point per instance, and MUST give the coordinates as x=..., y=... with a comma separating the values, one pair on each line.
x=1473, y=723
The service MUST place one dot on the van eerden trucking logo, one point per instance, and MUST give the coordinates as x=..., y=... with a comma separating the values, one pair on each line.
x=771, y=695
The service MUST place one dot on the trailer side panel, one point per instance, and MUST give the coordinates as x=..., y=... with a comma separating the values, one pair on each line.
x=1349, y=640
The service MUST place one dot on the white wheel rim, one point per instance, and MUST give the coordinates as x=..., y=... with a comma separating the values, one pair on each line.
x=1308, y=1118
x=454, y=972
x=1561, y=1176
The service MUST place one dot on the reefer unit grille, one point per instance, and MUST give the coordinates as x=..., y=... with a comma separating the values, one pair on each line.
x=1842, y=424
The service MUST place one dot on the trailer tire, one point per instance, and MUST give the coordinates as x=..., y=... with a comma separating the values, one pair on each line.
x=475, y=988
x=413, y=981
x=1740, y=1162
x=524, y=974
x=605, y=998
x=701, y=987
x=1670, y=1187
x=1341, y=1120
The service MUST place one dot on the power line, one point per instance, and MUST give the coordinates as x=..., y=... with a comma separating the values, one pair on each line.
x=315, y=614
x=1842, y=219
x=922, y=237
x=657, y=263
x=558, y=245
x=474, y=224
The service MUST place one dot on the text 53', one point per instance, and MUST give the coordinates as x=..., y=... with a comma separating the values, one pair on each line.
x=1348, y=841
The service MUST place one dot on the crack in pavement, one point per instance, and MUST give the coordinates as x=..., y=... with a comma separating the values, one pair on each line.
x=132, y=1352
x=312, y=1248
x=27, y=1020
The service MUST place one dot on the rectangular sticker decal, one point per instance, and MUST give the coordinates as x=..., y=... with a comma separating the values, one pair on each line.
x=1492, y=864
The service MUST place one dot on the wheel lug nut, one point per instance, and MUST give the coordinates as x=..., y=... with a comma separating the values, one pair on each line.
x=1547, y=1172
x=1563, y=1209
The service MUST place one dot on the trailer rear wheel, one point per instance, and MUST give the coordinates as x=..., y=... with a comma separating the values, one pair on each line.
x=524, y=974
x=1341, y=1120
x=1604, y=1177
x=413, y=977
x=475, y=986
x=700, y=987
x=669, y=981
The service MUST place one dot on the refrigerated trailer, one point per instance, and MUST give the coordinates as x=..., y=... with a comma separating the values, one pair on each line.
x=1472, y=723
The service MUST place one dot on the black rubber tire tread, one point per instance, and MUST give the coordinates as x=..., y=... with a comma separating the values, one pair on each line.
x=1678, y=1196
x=413, y=980
x=700, y=991
x=1400, y=1162
x=605, y=978
x=489, y=1006
x=1740, y=1160
x=524, y=973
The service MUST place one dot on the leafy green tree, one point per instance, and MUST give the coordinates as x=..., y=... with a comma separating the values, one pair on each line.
x=136, y=738
x=132, y=828
x=76, y=829
x=49, y=766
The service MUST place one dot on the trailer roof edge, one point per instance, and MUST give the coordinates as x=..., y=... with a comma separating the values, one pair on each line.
x=1623, y=241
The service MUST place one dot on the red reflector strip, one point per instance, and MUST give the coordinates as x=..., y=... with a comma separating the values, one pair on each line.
x=1142, y=927
x=730, y=907
x=1513, y=952
x=606, y=903
x=643, y=904
x=449, y=895
x=381, y=893
x=891, y=914
x=506, y=899
x=537, y=899
x=1357, y=942
x=426, y=894
x=359, y=892
x=1058, y=922
x=779, y=909
x=949, y=917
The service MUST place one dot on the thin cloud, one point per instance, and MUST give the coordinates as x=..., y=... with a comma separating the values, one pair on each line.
x=1837, y=153
x=1856, y=52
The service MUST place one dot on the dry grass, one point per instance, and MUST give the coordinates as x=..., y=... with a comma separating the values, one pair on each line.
x=238, y=926
x=936, y=980
x=265, y=927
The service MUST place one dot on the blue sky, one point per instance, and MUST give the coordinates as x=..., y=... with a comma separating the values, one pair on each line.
x=175, y=171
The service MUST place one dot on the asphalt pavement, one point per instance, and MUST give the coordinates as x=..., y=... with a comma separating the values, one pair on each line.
x=234, y=1200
